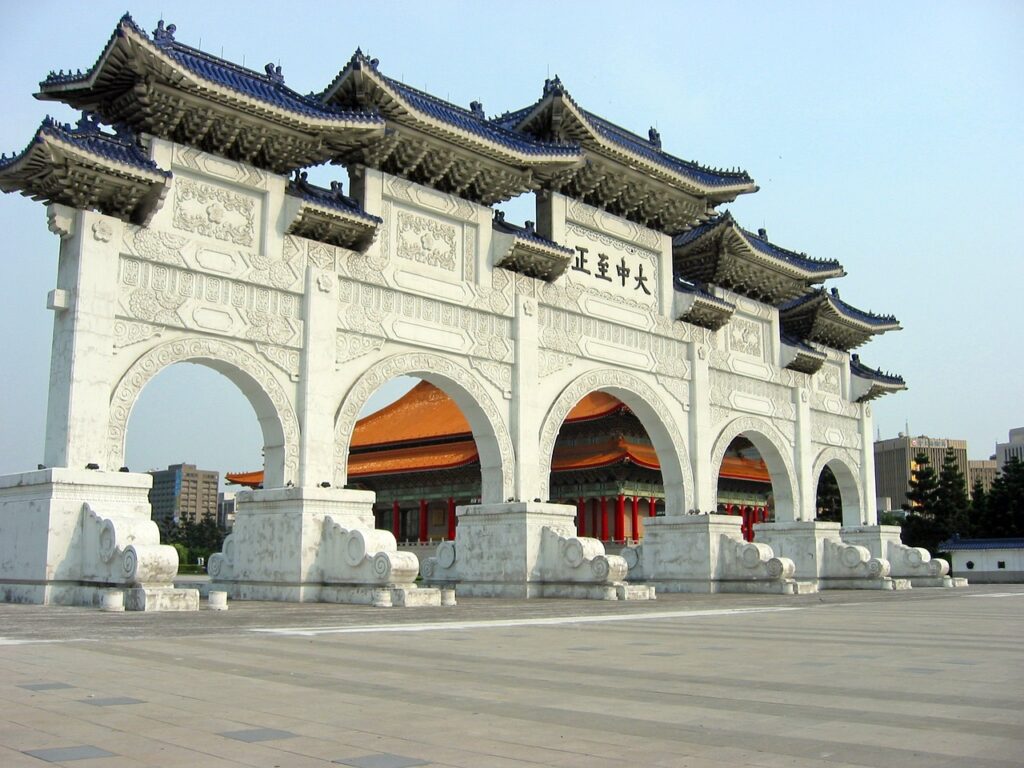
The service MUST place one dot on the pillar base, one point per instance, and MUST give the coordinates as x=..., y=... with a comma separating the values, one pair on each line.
x=822, y=557
x=312, y=544
x=528, y=550
x=67, y=536
x=707, y=554
x=911, y=563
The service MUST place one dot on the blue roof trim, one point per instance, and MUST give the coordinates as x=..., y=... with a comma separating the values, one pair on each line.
x=120, y=147
x=956, y=543
x=649, y=149
x=758, y=243
x=857, y=368
x=332, y=198
x=268, y=88
x=527, y=232
x=688, y=286
x=841, y=306
x=800, y=344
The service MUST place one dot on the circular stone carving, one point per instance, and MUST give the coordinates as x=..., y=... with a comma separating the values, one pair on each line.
x=572, y=551
x=852, y=557
x=108, y=541
x=914, y=557
x=775, y=568
x=446, y=554
x=355, y=548
x=632, y=557
x=600, y=568
x=130, y=564
x=751, y=556
x=215, y=565
x=381, y=565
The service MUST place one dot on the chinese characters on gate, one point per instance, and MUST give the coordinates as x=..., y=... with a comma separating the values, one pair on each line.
x=623, y=274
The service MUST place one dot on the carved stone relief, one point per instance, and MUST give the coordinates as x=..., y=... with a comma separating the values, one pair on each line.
x=427, y=241
x=212, y=165
x=745, y=337
x=827, y=379
x=733, y=392
x=601, y=221
x=215, y=212
x=829, y=429
x=424, y=197
x=499, y=374
x=151, y=363
x=349, y=346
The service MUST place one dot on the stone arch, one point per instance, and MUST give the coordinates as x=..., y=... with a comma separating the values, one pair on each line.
x=653, y=414
x=493, y=441
x=274, y=409
x=773, y=447
x=846, y=471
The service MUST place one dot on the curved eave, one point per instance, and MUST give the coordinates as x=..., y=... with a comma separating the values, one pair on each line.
x=140, y=56
x=874, y=389
x=809, y=272
x=703, y=309
x=603, y=146
x=333, y=226
x=44, y=171
x=397, y=108
x=534, y=258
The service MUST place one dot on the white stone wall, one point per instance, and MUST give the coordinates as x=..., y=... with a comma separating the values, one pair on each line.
x=309, y=331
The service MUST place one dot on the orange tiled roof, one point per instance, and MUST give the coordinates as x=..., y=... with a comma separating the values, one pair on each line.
x=427, y=413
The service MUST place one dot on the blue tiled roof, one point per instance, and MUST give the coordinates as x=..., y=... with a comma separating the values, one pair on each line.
x=122, y=147
x=268, y=88
x=859, y=369
x=630, y=141
x=800, y=344
x=524, y=233
x=454, y=115
x=956, y=543
x=332, y=198
x=759, y=243
x=841, y=306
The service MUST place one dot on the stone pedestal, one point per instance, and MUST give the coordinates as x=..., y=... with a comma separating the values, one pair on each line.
x=707, y=554
x=912, y=563
x=524, y=550
x=822, y=557
x=314, y=544
x=68, y=536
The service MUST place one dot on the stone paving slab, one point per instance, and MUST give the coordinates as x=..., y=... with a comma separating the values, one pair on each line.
x=922, y=678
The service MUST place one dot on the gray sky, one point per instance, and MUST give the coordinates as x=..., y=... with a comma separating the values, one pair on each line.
x=885, y=135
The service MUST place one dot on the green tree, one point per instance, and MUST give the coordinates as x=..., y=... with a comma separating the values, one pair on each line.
x=950, y=504
x=1005, y=504
x=919, y=525
x=829, y=502
x=979, y=510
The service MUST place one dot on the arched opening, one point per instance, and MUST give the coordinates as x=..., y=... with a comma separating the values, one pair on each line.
x=753, y=476
x=418, y=454
x=189, y=427
x=607, y=449
x=745, y=485
x=441, y=444
x=605, y=465
x=837, y=495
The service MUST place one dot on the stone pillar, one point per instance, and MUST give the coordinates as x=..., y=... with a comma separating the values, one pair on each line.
x=526, y=415
x=316, y=404
x=869, y=505
x=652, y=510
x=701, y=433
x=636, y=518
x=84, y=304
x=451, y=519
x=604, y=518
x=424, y=521
x=806, y=486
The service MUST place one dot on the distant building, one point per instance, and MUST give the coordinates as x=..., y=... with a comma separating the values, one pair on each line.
x=987, y=561
x=182, y=492
x=983, y=470
x=1013, y=449
x=226, y=510
x=894, y=462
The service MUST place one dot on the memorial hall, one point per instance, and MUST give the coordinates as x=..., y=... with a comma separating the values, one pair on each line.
x=631, y=366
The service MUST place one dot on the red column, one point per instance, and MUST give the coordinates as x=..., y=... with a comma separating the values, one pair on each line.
x=581, y=517
x=424, y=529
x=636, y=517
x=397, y=522
x=604, y=518
x=451, y=519
x=652, y=510
x=620, y=517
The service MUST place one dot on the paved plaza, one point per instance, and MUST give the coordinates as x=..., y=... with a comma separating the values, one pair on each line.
x=924, y=678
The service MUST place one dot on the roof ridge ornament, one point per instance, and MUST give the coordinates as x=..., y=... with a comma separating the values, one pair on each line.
x=274, y=73
x=477, y=108
x=87, y=123
x=654, y=137
x=162, y=34
x=553, y=86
